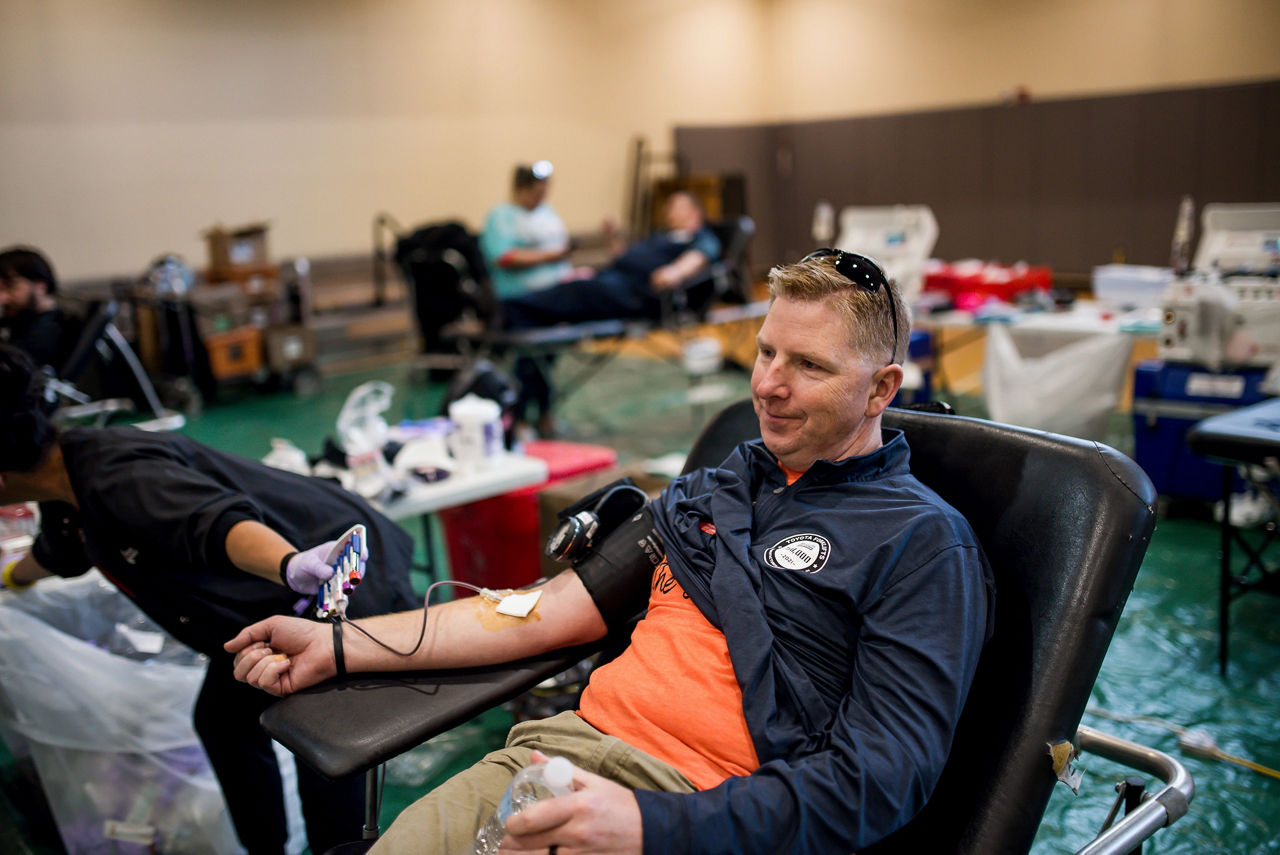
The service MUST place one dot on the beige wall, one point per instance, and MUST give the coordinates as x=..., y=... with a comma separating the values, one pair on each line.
x=834, y=58
x=127, y=126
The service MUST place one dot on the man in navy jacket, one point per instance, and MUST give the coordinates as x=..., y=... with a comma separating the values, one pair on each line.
x=810, y=638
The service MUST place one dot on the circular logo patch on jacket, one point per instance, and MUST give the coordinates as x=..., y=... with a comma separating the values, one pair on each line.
x=807, y=552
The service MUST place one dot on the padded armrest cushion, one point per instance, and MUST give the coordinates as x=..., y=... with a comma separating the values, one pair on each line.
x=346, y=726
x=1248, y=435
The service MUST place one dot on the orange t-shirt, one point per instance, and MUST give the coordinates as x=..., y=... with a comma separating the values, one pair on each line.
x=689, y=712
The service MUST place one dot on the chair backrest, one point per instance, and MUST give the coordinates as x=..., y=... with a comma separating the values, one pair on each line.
x=725, y=279
x=1065, y=524
x=446, y=276
x=735, y=236
x=734, y=424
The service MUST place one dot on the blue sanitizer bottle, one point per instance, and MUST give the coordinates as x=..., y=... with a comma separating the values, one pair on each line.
x=532, y=783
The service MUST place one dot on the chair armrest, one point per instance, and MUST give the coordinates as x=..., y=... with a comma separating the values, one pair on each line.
x=1156, y=812
x=350, y=725
x=694, y=295
x=1247, y=435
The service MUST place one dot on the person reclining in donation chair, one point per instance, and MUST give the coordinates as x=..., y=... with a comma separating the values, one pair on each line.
x=631, y=284
x=815, y=617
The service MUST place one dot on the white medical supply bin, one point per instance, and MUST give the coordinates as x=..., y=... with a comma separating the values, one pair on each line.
x=899, y=237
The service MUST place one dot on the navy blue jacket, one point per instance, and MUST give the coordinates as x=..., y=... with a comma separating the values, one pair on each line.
x=855, y=603
x=637, y=263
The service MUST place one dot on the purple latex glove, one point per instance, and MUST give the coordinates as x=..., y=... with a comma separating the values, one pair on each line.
x=307, y=571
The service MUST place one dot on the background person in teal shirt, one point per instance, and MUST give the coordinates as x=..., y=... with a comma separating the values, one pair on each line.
x=524, y=241
x=526, y=248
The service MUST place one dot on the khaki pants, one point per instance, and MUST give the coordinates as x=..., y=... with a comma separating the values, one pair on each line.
x=445, y=821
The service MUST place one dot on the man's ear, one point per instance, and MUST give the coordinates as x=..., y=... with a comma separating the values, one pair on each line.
x=885, y=384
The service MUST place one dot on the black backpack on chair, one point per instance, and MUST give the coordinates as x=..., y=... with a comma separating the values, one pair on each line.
x=447, y=278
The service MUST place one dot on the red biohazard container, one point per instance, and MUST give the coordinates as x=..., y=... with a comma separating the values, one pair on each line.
x=495, y=543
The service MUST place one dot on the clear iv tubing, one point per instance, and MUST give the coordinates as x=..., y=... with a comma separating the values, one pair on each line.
x=426, y=602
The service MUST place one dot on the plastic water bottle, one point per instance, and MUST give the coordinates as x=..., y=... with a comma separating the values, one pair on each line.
x=532, y=783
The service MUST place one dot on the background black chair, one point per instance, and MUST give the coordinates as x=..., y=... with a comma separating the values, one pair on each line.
x=1065, y=524
x=727, y=279
x=101, y=345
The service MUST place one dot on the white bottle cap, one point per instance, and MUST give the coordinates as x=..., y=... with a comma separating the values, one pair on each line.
x=558, y=774
x=473, y=409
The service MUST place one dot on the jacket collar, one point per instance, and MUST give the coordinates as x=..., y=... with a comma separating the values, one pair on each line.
x=891, y=458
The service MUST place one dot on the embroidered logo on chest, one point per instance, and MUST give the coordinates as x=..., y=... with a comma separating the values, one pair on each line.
x=807, y=552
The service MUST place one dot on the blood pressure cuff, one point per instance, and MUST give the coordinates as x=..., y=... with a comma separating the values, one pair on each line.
x=619, y=572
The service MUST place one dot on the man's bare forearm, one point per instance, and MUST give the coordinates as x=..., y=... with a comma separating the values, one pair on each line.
x=470, y=631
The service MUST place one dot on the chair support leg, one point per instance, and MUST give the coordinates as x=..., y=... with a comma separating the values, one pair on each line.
x=371, y=805
x=1224, y=572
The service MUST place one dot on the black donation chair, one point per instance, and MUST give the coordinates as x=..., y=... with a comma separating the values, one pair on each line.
x=725, y=280
x=1065, y=524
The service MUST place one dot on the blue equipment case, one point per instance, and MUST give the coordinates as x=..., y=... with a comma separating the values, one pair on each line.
x=919, y=350
x=1169, y=398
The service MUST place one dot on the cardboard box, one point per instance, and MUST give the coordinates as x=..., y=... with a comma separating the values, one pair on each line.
x=235, y=353
x=218, y=308
x=561, y=494
x=241, y=246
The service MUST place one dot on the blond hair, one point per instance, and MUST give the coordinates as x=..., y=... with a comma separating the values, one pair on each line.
x=866, y=314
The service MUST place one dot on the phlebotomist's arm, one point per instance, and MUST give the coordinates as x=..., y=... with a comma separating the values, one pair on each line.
x=23, y=573
x=57, y=550
x=250, y=545
x=255, y=548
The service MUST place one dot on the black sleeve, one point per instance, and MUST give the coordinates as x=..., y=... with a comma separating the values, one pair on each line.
x=57, y=547
x=184, y=514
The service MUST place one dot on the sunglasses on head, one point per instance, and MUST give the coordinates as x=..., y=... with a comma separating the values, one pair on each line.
x=867, y=275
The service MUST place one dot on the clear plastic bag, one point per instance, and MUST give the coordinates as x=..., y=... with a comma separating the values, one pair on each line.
x=362, y=433
x=1070, y=390
x=100, y=698
x=361, y=427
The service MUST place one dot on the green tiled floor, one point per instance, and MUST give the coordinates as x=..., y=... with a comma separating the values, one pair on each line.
x=1161, y=662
